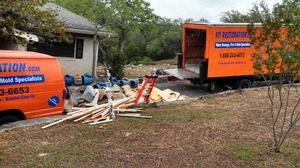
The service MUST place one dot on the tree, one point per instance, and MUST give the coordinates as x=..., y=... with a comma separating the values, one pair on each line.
x=99, y=13
x=277, y=61
x=127, y=15
x=28, y=16
x=166, y=39
x=235, y=16
x=123, y=16
x=191, y=20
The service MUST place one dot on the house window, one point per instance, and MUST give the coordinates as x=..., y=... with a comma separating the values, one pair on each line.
x=79, y=48
x=62, y=49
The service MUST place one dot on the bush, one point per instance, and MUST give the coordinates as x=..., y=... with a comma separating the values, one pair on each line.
x=143, y=60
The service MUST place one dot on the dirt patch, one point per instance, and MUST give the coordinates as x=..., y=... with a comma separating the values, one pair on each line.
x=232, y=131
x=135, y=71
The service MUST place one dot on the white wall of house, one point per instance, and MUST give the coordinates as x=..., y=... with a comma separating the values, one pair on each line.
x=73, y=66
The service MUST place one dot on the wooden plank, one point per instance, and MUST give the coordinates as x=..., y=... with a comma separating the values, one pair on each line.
x=126, y=105
x=134, y=116
x=85, y=116
x=127, y=110
x=128, y=91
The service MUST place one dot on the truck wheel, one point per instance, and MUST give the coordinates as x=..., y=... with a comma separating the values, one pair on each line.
x=213, y=87
x=243, y=84
x=8, y=118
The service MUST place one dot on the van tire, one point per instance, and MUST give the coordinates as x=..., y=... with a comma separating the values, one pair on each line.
x=9, y=118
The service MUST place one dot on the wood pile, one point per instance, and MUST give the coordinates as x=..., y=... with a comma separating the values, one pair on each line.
x=102, y=113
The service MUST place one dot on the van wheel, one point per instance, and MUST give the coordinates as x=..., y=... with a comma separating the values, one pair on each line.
x=8, y=118
x=243, y=84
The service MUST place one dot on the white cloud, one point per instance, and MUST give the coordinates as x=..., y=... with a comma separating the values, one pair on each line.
x=209, y=9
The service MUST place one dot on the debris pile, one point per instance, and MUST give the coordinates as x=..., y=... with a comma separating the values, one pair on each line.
x=101, y=102
x=102, y=113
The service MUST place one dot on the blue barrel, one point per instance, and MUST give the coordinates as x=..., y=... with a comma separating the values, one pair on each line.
x=100, y=85
x=123, y=82
x=87, y=79
x=114, y=81
x=134, y=83
x=69, y=80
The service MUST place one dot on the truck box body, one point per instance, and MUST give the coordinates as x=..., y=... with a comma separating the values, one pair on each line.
x=30, y=83
x=215, y=51
x=225, y=47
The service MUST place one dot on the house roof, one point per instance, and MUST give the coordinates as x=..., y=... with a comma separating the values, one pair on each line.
x=73, y=22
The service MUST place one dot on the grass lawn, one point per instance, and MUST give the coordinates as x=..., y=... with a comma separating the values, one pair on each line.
x=231, y=131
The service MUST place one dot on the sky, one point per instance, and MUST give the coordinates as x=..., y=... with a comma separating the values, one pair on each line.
x=196, y=9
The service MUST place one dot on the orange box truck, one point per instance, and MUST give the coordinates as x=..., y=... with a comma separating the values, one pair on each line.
x=217, y=54
x=31, y=85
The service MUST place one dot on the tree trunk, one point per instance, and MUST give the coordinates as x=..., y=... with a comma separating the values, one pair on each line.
x=122, y=38
x=95, y=42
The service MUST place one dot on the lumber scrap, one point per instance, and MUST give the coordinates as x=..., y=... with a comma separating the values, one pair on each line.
x=79, y=113
x=97, y=113
x=134, y=116
x=128, y=91
x=97, y=119
x=85, y=116
x=126, y=105
x=127, y=110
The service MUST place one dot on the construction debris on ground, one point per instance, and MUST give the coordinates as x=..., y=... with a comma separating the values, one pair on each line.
x=101, y=102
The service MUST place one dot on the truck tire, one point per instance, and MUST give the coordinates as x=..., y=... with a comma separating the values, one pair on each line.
x=8, y=118
x=214, y=87
x=243, y=84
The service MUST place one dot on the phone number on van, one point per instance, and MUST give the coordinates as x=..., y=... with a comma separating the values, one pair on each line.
x=14, y=91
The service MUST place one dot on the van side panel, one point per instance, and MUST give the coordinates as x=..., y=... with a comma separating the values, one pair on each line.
x=229, y=52
x=32, y=85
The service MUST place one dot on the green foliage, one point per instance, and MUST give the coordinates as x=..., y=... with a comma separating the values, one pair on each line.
x=166, y=39
x=118, y=16
x=142, y=60
x=116, y=62
x=29, y=16
x=137, y=32
x=277, y=43
x=234, y=16
x=129, y=15
x=277, y=59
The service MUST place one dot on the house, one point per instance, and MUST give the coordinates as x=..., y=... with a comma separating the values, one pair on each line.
x=75, y=57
